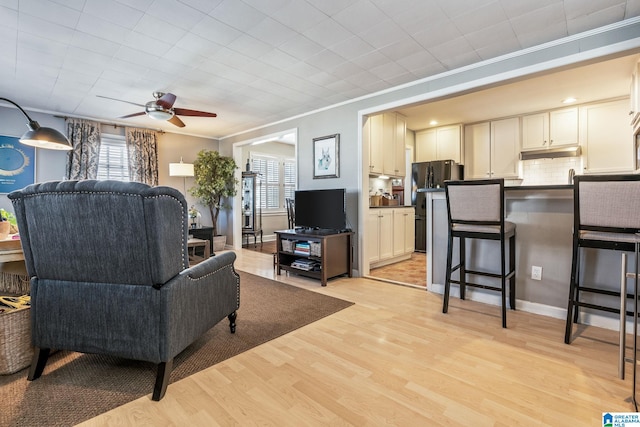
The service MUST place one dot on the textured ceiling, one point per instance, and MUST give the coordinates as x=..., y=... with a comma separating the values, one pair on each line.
x=254, y=62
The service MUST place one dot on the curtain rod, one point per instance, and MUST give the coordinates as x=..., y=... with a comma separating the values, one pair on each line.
x=115, y=125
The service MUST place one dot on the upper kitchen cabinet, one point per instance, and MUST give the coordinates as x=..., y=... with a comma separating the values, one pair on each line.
x=477, y=151
x=373, y=135
x=606, y=138
x=385, y=134
x=491, y=149
x=634, y=112
x=442, y=143
x=550, y=129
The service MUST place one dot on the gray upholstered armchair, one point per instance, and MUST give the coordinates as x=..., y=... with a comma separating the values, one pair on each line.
x=109, y=273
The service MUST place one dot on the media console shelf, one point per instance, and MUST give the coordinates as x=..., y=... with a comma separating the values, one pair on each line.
x=314, y=254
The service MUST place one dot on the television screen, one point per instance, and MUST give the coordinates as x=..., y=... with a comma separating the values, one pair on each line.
x=321, y=209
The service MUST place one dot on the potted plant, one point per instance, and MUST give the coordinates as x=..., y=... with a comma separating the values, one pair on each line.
x=214, y=182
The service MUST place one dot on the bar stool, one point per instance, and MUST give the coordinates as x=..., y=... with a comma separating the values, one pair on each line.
x=606, y=216
x=476, y=210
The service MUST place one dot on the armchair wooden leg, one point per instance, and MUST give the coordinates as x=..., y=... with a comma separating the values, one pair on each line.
x=162, y=379
x=232, y=321
x=39, y=359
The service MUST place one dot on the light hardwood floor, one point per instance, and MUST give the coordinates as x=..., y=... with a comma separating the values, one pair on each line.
x=394, y=359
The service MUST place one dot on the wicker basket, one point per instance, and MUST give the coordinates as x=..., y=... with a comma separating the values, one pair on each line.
x=315, y=248
x=287, y=245
x=15, y=340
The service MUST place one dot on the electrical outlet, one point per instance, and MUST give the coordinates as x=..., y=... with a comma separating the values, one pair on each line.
x=536, y=272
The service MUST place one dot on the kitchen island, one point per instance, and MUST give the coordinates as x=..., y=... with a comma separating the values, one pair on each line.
x=543, y=215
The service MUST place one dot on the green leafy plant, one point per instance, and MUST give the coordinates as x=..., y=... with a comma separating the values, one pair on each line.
x=8, y=216
x=214, y=182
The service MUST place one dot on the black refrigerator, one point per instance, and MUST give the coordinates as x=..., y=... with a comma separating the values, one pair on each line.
x=426, y=175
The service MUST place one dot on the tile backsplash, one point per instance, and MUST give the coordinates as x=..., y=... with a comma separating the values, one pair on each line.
x=549, y=171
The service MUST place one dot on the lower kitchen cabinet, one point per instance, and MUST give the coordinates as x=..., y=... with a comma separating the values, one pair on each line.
x=390, y=235
x=404, y=226
x=380, y=234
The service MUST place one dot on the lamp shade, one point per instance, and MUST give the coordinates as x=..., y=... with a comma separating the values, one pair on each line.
x=181, y=169
x=41, y=137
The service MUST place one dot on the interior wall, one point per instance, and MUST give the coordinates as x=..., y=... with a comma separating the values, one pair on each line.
x=346, y=120
x=171, y=148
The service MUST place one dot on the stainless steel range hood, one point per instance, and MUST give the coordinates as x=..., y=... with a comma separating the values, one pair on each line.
x=551, y=153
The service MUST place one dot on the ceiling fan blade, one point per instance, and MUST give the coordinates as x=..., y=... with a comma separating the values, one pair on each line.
x=120, y=100
x=176, y=121
x=141, y=113
x=185, y=112
x=166, y=100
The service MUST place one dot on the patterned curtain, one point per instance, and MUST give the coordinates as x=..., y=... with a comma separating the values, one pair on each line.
x=143, y=155
x=82, y=160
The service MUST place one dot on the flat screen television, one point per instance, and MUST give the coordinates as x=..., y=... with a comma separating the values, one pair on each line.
x=321, y=209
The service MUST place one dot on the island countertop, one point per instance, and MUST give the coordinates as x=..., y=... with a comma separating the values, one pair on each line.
x=511, y=188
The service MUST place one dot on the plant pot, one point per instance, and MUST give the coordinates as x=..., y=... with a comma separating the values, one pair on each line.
x=219, y=242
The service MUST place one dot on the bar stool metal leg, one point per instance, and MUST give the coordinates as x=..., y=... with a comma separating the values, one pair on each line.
x=623, y=315
x=635, y=329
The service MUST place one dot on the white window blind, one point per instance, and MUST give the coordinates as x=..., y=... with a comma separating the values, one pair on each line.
x=289, y=178
x=114, y=159
x=278, y=180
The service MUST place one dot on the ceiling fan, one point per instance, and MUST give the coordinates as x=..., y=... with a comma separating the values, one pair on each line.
x=162, y=109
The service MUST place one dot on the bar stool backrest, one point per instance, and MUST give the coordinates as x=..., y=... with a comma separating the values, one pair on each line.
x=476, y=202
x=607, y=203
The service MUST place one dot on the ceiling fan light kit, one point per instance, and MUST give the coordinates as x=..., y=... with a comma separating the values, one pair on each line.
x=162, y=109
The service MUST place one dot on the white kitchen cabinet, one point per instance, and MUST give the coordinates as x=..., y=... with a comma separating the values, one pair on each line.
x=380, y=234
x=477, y=151
x=634, y=99
x=394, y=145
x=505, y=148
x=385, y=134
x=426, y=145
x=606, y=138
x=400, y=145
x=373, y=134
x=403, y=231
x=491, y=149
x=442, y=143
x=550, y=129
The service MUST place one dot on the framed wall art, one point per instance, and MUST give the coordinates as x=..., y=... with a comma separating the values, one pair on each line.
x=326, y=156
x=17, y=164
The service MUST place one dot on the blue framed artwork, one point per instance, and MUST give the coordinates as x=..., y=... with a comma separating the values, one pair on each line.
x=17, y=164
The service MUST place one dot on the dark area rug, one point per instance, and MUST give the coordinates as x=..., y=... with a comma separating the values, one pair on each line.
x=76, y=387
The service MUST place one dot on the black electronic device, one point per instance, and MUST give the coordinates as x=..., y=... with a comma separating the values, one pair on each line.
x=321, y=209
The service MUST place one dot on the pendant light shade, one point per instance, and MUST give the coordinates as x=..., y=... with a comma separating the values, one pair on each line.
x=41, y=137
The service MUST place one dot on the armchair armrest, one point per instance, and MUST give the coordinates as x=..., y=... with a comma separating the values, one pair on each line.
x=210, y=265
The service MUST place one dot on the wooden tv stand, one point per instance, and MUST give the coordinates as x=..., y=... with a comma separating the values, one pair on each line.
x=329, y=253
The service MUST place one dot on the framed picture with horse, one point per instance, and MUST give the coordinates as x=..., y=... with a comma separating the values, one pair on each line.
x=326, y=156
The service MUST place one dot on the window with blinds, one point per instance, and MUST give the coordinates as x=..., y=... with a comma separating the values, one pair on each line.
x=278, y=180
x=114, y=159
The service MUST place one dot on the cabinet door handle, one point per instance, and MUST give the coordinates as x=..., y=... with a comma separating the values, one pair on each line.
x=544, y=142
